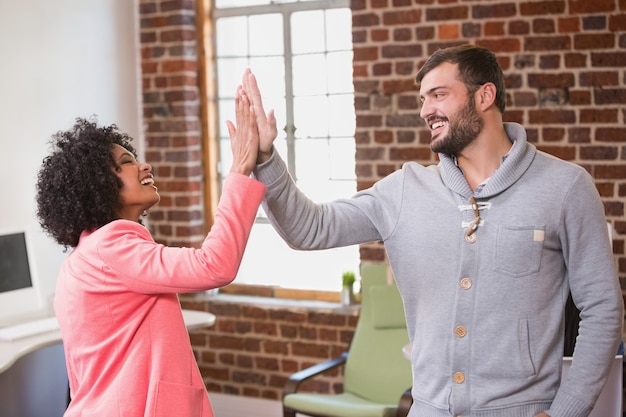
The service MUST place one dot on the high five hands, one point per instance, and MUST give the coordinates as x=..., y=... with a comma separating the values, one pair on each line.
x=252, y=137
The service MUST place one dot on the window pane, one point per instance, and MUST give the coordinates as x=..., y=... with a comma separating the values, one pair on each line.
x=307, y=32
x=340, y=78
x=268, y=35
x=309, y=75
x=232, y=36
x=339, y=30
x=229, y=72
x=341, y=118
x=311, y=116
x=312, y=161
x=315, y=270
x=342, y=152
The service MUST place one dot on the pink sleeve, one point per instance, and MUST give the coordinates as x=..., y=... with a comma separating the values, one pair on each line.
x=144, y=266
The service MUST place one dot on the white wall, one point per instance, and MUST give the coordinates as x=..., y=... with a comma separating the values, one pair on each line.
x=61, y=59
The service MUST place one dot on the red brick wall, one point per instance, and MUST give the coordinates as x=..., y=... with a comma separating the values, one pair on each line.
x=564, y=63
x=254, y=346
x=172, y=118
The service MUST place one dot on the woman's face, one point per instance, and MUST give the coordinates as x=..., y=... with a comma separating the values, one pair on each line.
x=138, y=192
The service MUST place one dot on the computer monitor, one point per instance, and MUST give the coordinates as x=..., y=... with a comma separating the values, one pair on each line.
x=20, y=294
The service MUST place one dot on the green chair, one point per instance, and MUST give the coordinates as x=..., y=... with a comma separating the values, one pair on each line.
x=376, y=373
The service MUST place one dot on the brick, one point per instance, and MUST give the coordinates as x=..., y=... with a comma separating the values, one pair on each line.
x=402, y=17
x=423, y=33
x=598, y=115
x=594, y=23
x=610, y=134
x=365, y=54
x=547, y=43
x=579, y=97
x=550, y=134
x=495, y=28
x=616, y=172
x=544, y=26
x=383, y=136
x=599, y=152
x=369, y=121
x=518, y=27
x=575, y=60
x=380, y=35
x=542, y=8
x=609, y=96
x=447, y=13
x=266, y=363
x=448, y=31
x=591, y=7
x=365, y=20
x=494, y=11
x=608, y=59
x=409, y=154
x=310, y=350
x=598, y=78
x=617, y=23
x=594, y=41
x=551, y=61
x=524, y=99
x=614, y=208
x=547, y=116
x=401, y=51
x=402, y=35
x=307, y=333
x=288, y=315
x=568, y=24
x=544, y=80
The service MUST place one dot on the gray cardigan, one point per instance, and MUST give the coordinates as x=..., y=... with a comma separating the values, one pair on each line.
x=485, y=319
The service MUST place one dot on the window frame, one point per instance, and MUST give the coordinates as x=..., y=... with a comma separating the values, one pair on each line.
x=207, y=22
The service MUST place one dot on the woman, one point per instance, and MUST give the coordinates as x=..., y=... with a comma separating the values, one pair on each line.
x=126, y=345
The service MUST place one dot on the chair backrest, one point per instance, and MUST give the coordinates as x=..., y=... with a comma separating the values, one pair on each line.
x=376, y=369
x=609, y=403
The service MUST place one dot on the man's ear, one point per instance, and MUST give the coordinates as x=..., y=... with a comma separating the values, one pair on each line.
x=487, y=95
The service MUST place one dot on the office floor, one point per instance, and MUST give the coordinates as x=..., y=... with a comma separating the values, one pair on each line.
x=235, y=406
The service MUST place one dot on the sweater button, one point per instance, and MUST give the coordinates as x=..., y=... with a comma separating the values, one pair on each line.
x=459, y=377
x=466, y=283
x=460, y=331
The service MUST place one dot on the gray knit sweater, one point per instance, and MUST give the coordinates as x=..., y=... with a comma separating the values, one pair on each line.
x=485, y=319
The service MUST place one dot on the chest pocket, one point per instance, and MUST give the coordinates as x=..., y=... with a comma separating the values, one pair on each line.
x=518, y=250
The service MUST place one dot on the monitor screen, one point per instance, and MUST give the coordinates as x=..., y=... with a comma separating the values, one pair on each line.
x=20, y=295
x=14, y=267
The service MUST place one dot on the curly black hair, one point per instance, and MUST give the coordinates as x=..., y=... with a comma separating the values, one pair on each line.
x=77, y=188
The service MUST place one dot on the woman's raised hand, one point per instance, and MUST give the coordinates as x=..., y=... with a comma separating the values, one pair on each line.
x=244, y=137
x=266, y=123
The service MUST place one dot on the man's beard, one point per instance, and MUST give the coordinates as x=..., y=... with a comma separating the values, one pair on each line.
x=462, y=130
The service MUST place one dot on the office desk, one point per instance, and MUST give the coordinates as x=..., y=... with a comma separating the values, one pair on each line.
x=12, y=351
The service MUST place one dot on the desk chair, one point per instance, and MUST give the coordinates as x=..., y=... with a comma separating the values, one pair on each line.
x=375, y=370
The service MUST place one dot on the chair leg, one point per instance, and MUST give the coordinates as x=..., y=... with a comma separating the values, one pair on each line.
x=288, y=412
x=405, y=403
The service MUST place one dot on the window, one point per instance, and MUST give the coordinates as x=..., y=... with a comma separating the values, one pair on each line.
x=301, y=53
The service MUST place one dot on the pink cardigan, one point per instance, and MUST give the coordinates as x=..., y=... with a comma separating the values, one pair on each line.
x=126, y=345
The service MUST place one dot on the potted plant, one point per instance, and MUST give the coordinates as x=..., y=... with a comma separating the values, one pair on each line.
x=348, y=279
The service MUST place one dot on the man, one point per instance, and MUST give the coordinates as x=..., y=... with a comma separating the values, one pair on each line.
x=485, y=247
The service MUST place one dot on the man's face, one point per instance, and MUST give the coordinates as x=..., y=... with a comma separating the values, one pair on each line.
x=448, y=110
